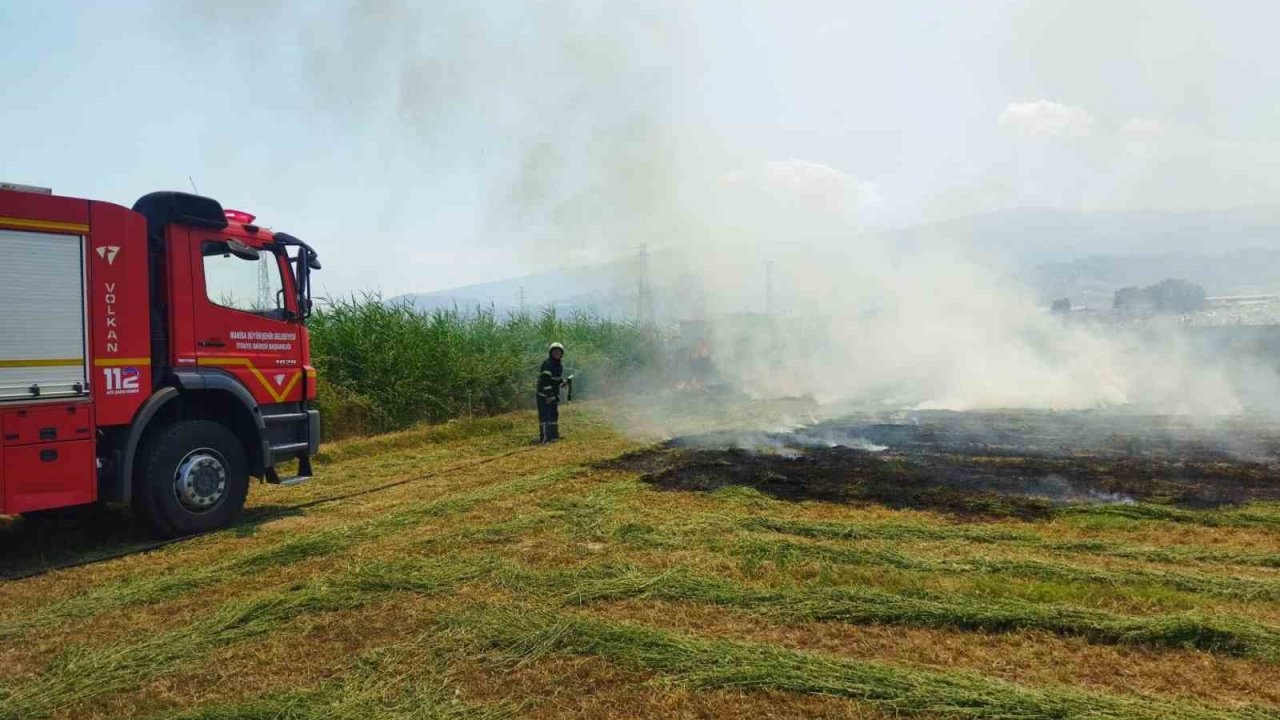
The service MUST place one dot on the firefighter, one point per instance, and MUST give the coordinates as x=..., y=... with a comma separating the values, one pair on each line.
x=550, y=378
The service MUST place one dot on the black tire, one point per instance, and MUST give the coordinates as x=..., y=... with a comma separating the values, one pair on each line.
x=192, y=478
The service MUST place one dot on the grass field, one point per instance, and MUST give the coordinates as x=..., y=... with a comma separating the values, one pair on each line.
x=602, y=578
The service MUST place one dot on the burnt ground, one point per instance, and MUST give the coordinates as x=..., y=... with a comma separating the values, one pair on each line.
x=1007, y=464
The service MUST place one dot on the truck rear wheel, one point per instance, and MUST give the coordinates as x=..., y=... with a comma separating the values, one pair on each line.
x=193, y=478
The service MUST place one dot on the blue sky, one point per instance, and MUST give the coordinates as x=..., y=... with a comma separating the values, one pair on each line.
x=428, y=146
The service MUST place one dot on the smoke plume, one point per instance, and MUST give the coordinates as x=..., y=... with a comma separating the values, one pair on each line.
x=586, y=119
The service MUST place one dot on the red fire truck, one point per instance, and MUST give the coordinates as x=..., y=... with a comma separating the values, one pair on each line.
x=155, y=357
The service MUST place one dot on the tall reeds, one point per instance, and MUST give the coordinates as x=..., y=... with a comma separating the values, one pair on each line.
x=387, y=365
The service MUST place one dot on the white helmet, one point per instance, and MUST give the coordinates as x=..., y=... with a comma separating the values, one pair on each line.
x=555, y=346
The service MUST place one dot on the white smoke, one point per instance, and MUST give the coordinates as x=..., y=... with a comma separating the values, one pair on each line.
x=859, y=316
x=585, y=119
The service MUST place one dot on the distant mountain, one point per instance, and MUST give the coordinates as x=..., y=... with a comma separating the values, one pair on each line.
x=1084, y=256
x=1029, y=237
x=587, y=288
x=1091, y=281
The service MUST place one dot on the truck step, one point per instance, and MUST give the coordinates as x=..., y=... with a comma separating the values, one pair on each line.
x=285, y=418
x=304, y=474
x=288, y=449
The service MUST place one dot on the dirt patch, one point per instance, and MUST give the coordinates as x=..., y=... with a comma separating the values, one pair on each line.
x=978, y=464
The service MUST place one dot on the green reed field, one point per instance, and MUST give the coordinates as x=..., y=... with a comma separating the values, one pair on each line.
x=385, y=366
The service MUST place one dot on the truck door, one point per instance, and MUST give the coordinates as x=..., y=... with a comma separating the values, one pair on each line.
x=245, y=319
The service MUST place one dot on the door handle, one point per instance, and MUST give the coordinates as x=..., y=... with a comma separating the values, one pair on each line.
x=211, y=343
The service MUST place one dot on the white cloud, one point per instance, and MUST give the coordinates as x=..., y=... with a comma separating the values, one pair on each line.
x=821, y=185
x=1043, y=118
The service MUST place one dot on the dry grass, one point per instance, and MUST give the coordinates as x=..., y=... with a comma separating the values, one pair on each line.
x=1031, y=658
x=544, y=584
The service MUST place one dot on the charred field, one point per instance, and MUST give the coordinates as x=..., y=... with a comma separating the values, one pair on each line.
x=1023, y=464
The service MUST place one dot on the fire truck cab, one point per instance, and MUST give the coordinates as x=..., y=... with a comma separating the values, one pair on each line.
x=155, y=357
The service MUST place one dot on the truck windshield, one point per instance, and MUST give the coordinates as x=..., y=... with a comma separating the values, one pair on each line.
x=249, y=285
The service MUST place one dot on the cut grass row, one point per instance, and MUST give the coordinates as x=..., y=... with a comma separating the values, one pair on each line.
x=782, y=553
x=1165, y=513
x=932, y=609
x=984, y=534
x=596, y=517
x=526, y=635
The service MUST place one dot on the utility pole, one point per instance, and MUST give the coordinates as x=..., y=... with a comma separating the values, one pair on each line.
x=644, y=293
x=768, y=287
x=265, y=299
x=522, y=300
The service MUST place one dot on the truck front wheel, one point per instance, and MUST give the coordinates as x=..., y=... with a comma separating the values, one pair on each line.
x=193, y=477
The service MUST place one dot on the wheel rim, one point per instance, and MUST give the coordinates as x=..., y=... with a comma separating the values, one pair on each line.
x=200, y=482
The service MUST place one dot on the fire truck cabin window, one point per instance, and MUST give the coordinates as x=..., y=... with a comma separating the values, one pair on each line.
x=236, y=281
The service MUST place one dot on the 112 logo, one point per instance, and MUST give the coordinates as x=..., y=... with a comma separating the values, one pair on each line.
x=121, y=381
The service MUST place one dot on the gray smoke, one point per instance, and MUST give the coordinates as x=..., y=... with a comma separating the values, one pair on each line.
x=586, y=118
x=572, y=105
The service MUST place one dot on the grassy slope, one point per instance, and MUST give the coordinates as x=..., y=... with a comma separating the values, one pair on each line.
x=540, y=585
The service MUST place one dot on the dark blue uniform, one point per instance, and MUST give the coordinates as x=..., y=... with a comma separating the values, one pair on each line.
x=550, y=378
